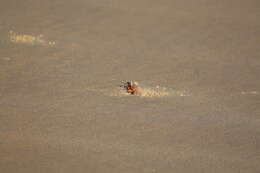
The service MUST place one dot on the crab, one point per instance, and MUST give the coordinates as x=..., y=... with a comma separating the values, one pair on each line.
x=131, y=87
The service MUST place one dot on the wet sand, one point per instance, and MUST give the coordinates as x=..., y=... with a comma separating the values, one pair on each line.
x=62, y=110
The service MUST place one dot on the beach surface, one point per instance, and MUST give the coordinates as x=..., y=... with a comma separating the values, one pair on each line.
x=197, y=63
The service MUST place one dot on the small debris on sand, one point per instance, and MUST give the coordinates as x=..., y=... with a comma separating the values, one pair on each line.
x=29, y=39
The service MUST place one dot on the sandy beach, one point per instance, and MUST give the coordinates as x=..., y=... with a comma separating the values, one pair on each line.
x=197, y=63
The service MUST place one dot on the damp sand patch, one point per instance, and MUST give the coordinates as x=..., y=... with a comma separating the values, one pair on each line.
x=29, y=39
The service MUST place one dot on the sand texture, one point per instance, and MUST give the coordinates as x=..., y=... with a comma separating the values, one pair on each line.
x=62, y=109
